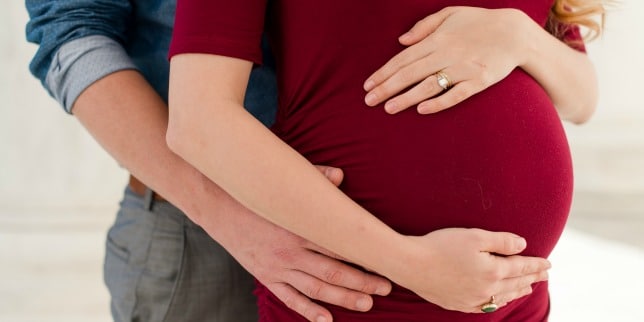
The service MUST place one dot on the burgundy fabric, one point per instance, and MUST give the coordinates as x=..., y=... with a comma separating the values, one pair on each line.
x=498, y=161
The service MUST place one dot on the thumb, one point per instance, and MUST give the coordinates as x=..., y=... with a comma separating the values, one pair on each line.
x=335, y=175
x=323, y=251
x=503, y=243
x=425, y=27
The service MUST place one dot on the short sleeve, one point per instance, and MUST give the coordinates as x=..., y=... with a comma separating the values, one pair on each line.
x=221, y=27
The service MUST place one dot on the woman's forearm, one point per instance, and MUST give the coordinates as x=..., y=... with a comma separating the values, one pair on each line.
x=210, y=129
x=568, y=75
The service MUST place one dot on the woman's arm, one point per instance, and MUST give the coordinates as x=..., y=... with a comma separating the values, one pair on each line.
x=476, y=48
x=209, y=128
x=567, y=74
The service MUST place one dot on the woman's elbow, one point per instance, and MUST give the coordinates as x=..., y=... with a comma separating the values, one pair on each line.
x=586, y=108
x=585, y=115
x=581, y=107
x=176, y=136
x=581, y=113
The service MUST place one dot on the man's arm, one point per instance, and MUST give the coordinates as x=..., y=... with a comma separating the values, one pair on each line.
x=131, y=127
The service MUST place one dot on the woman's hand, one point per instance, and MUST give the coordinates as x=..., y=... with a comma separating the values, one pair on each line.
x=473, y=47
x=466, y=267
x=476, y=48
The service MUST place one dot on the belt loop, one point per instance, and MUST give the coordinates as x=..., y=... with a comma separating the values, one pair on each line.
x=148, y=199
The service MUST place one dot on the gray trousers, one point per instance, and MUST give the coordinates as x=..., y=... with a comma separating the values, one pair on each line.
x=160, y=266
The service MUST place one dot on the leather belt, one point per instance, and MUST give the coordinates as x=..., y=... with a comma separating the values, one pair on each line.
x=140, y=189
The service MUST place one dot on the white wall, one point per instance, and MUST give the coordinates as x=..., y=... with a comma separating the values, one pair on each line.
x=609, y=151
x=46, y=157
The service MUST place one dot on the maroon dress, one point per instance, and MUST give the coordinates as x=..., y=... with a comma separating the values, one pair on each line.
x=498, y=161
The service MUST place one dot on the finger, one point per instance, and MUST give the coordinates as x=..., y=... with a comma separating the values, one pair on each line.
x=396, y=63
x=449, y=98
x=503, y=299
x=521, y=266
x=340, y=274
x=299, y=303
x=424, y=90
x=405, y=77
x=503, y=243
x=425, y=27
x=323, y=251
x=335, y=175
x=317, y=289
x=516, y=284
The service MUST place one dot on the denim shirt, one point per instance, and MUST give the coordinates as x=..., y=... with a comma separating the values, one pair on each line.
x=82, y=41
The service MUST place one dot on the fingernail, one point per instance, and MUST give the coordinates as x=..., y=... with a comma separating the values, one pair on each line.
x=521, y=243
x=371, y=99
x=383, y=290
x=391, y=107
x=363, y=304
x=404, y=36
x=424, y=108
x=369, y=84
x=329, y=172
x=320, y=318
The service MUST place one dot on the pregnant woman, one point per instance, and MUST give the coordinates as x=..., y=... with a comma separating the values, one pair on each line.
x=498, y=161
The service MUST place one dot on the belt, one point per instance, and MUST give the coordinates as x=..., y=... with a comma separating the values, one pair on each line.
x=141, y=189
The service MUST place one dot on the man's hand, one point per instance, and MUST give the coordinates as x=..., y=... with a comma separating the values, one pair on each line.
x=296, y=270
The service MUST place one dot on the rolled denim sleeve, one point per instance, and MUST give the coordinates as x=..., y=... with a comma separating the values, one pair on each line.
x=80, y=41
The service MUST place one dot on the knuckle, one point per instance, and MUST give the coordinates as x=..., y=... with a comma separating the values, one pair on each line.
x=476, y=236
x=348, y=302
x=383, y=90
x=334, y=276
x=283, y=254
x=393, y=65
x=421, y=23
x=509, y=244
x=495, y=274
x=427, y=86
x=366, y=287
x=483, y=73
x=290, y=301
x=406, y=75
x=314, y=291
x=460, y=94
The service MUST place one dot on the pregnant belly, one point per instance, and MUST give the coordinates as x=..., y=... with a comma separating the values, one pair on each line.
x=498, y=161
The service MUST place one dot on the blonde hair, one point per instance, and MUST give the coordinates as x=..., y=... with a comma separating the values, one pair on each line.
x=584, y=13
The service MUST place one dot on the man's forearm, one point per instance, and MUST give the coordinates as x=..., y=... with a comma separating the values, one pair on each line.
x=129, y=120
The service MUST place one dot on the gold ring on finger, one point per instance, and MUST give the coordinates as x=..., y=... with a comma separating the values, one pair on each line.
x=443, y=80
x=490, y=306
